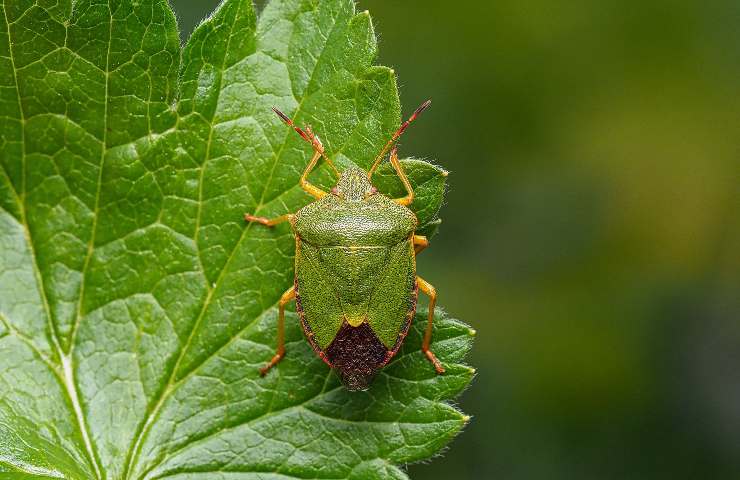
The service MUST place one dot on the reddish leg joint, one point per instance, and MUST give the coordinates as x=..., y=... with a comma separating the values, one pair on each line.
x=437, y=364
x=275, y=360
x=429, y=290
x=262, y=220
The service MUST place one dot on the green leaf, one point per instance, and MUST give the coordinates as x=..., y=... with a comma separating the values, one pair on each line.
x=135, y=305
x=429, y=189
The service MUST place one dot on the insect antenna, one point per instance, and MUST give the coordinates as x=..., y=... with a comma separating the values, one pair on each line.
x=308, y=136
x=397, y=135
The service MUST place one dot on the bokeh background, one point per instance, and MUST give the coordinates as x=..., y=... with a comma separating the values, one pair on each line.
x=592, y=228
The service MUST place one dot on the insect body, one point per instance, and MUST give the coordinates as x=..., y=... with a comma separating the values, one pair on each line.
x=355, y=282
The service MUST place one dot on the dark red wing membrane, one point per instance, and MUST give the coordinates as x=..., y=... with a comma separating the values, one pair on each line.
x=356, y=352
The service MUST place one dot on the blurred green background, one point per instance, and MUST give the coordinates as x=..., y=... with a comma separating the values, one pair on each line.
x=592, y=228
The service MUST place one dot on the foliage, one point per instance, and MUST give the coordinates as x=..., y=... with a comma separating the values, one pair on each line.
x=135, y=304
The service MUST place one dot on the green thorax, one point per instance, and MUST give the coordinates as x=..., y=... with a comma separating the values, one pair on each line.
x=355, y=261
x=354, y=214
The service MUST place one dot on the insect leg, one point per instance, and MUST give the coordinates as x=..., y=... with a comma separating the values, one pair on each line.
x=305, y=185
x=420, y=243
x=268, y=222
x=280, y=353
x=402, y=175
x=427, y=288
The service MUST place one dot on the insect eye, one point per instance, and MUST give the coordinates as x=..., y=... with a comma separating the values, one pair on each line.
x=334, y=191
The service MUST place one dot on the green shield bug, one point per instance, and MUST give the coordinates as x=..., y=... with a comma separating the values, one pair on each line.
x=355, y=283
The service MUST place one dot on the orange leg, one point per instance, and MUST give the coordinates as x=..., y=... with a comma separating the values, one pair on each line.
x=420, y=243
x=427, y=288
x=309, y=188
x=402, y=175
x=280, y=353
x=269, y=222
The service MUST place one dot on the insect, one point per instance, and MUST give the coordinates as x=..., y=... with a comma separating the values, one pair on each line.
x=355, y=283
